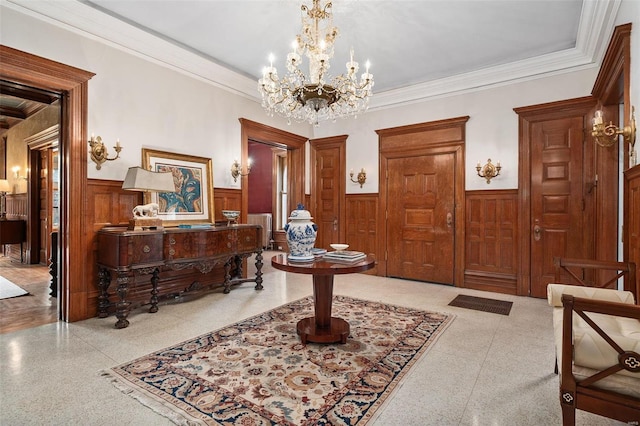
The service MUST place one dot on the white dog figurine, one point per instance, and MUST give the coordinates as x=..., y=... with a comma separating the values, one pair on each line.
x=147, y=210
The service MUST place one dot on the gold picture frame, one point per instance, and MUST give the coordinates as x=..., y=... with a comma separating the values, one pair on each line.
x=193, y=177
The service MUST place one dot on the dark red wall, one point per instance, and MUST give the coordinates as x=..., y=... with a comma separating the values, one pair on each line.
x=260, y=178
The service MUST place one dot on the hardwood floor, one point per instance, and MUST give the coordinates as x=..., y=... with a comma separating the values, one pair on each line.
x=36, y=308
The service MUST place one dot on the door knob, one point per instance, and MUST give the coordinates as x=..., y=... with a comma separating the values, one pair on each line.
x=335, y=223
x=537, y=232
x=449, y=220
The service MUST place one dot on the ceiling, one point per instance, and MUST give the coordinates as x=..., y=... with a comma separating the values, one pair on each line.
x=417, y=49
x=17, y=103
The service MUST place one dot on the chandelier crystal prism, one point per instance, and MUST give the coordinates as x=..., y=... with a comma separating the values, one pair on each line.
x=317, y=96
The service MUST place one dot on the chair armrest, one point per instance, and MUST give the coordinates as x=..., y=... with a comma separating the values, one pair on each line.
x=555, y=292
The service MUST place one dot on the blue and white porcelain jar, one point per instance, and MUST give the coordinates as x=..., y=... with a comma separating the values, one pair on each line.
x=301, y=234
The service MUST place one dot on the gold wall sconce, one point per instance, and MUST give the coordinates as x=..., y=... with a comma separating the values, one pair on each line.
x=362, y=177
x=236, y=170
x=16, y=173
x=607, y=135
x=489, y=170
x=99, y=152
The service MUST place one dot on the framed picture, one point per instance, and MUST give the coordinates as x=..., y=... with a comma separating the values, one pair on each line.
x=193, y=178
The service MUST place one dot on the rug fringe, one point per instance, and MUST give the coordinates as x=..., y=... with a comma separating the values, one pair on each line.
x=179, y=418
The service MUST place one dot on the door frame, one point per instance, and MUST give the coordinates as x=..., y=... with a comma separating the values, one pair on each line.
x=338, y=142
x=527, y=116
x=251, y=130
x=73, y=84
x=431, y=138
x=46, y=139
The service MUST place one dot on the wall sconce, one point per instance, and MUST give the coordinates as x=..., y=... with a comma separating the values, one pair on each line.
x=607, y=136
x=488, y=171
x=16, y=173
x=362, y=177
x=99, y=152
x=236, y=170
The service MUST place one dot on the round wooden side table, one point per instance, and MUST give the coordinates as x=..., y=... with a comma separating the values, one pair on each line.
x=322, y=327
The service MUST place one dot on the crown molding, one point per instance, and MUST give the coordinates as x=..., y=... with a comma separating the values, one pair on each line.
x=89, y=22
x=597, y=21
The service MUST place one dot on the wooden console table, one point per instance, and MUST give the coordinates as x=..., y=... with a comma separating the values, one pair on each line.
x=322, y=328
x=128, y=252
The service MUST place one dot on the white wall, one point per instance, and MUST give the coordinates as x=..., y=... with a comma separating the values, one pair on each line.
x=142, y=103
x=492, y=129
x=146, y=105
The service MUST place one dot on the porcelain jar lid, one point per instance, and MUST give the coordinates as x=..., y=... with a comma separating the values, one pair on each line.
x=300, y=214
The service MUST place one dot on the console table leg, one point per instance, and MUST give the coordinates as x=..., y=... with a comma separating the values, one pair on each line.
x=104, y=279
x=227, y=276
x=154, y=291
x=122, y=307
x=259, y=270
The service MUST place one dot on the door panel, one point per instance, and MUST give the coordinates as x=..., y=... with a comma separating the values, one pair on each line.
x=420, y=218
x=328, y=191
x=557, y=197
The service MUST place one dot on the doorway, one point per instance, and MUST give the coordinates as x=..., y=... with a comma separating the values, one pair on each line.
x=291, y=191
x=564, y=183
x=72, y=84
x=328, y=189
x=421, y=205
x=422, y=201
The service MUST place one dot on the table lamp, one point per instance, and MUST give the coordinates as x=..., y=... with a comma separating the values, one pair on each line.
x=145, y=217
x=4, y=188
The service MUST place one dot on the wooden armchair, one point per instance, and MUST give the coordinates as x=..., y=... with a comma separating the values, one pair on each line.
x=621, y=269
x=597, y=334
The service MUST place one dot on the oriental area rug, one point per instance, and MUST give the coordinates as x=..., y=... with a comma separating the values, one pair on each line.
x=257, y=372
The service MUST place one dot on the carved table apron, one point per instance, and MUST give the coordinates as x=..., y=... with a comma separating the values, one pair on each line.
x=128, y=252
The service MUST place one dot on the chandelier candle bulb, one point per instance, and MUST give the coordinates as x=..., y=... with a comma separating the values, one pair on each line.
x=316, y=96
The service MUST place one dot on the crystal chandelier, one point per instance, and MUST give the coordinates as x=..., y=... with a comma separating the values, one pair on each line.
x=318, y=96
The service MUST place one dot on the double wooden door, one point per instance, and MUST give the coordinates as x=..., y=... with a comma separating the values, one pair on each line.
x=420, y=218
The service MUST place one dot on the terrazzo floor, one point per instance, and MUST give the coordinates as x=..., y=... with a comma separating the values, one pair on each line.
x=486, y=369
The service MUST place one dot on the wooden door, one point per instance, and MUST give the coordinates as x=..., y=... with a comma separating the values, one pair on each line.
x=43, y=205
x=328, y=190
x=558, y=199
x=420, y=223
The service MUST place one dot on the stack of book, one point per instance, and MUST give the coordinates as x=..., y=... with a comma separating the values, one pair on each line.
x=344, y=256
x=318, y=252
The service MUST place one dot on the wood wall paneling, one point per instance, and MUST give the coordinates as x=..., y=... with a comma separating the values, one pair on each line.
x=226, y=199
x=491, y=240
x=362, y=224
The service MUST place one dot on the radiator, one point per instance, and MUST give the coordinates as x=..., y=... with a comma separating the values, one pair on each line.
x=263, y=219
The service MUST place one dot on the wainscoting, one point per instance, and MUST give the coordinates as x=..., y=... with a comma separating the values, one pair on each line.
x=491, y=241
x=362, y=225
